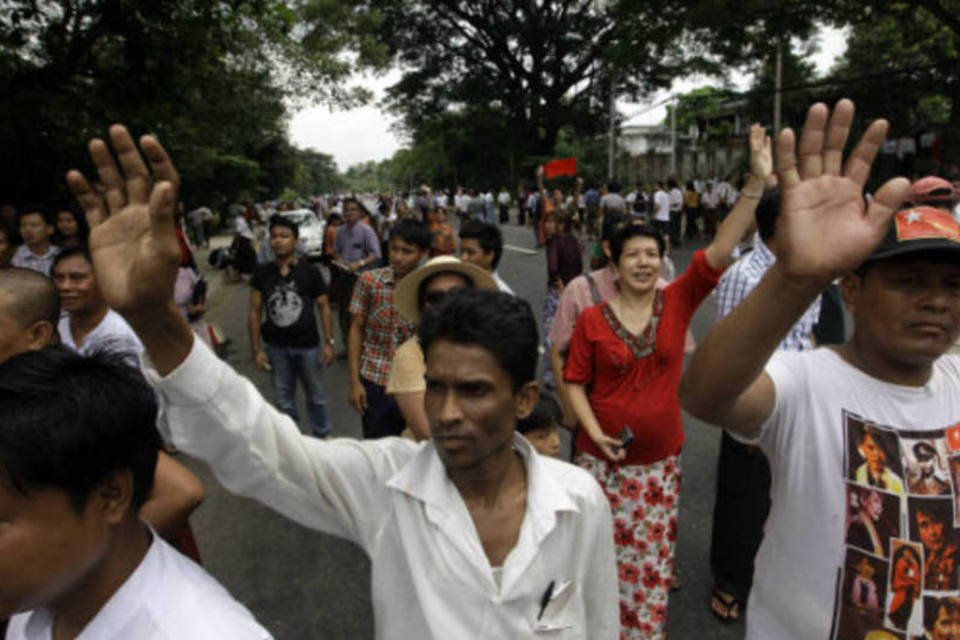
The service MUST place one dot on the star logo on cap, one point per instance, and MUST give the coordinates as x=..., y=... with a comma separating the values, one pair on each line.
x=914, y=216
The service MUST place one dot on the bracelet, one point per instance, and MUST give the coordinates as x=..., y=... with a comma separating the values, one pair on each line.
x=752, y=196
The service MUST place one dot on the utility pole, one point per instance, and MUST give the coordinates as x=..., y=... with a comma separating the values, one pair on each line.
x=612, y=133
x=778, y=85
x=673, y=137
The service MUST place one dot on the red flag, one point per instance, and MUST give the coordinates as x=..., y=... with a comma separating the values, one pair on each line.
x=561, y=167
x=920, y=223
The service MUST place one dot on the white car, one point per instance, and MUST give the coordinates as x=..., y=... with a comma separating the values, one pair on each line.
x=311, y=232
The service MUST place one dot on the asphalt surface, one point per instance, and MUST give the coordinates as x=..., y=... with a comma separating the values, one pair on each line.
x=304, y=584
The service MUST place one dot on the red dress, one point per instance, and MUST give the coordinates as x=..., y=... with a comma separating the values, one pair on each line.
x=633, y=379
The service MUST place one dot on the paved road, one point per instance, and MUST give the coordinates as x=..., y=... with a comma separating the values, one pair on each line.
x=304, y=584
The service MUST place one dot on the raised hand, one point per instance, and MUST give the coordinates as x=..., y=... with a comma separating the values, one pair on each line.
x=133, y=239
x=761, y=158
x=825, y=229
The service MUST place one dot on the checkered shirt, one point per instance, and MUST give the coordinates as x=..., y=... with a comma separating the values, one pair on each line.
x=383, y=328
x=740, y=279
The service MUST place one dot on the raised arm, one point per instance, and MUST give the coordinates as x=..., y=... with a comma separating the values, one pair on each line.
x=741, y=218
x=133, y=241
x=824, y=230
x=540, y=188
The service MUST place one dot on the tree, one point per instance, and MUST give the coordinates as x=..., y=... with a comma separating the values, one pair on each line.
x=209, y=77
x=537, y=66
x=904, y=64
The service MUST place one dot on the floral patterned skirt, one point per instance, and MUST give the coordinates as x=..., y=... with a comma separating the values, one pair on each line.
x=644, y=502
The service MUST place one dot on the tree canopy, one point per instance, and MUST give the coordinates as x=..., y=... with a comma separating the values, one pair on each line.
x=209, y=77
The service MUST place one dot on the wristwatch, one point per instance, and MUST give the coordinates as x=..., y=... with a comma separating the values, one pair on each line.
x=331, y=342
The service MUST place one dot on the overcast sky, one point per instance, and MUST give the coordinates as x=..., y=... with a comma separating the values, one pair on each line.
x=364, y=134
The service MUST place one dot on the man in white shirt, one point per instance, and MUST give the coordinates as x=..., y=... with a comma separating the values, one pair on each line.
x=78, y=448
x=482, y=244
x=661, y=209
x=472, y=535
x=710, y=203
x=90, y=325
x=676, y=211
x=743, y=475
x=808, y=410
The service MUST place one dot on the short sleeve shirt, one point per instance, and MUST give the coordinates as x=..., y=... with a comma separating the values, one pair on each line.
x=817, y=539
x=288, y=302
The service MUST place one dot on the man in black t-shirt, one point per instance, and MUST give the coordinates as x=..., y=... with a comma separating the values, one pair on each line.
x=288, y=288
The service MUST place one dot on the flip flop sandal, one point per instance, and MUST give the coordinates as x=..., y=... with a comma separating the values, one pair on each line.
x=725, y=607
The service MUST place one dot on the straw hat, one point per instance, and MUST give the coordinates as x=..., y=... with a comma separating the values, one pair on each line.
x=405, y=297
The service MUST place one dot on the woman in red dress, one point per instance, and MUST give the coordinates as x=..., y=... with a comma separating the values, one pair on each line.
x=628, y=352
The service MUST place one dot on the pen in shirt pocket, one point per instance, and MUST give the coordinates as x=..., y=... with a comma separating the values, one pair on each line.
x=545, y=599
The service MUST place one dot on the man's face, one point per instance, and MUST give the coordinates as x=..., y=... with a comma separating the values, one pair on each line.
x=352, y=212
x=77, y=285
x=472, y=252
x=45, y=546
x=471, y=404
x=947, y=625
x=873, y=454
x=404, y=256
x=874, y=505
x=906, y=311
x=931, y=531
x=283, y=242
x=34, y=229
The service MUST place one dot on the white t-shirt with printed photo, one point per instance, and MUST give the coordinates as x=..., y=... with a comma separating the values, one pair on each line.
x=831, y=564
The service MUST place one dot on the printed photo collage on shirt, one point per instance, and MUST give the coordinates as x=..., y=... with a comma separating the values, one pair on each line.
x=899, y=577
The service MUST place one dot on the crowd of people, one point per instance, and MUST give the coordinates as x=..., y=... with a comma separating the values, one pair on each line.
x=838, y=484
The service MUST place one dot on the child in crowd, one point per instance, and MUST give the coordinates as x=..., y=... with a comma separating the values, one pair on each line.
x=37, y=251
x=542, y=427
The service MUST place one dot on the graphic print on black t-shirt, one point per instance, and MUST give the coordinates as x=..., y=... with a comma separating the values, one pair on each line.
x=288, y=302
x=284, y=305
x=901, y=568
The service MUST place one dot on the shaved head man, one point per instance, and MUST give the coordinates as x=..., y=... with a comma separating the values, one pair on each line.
x=29, y=311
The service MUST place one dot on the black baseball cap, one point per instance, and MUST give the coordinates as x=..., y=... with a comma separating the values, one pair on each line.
x=917, y=229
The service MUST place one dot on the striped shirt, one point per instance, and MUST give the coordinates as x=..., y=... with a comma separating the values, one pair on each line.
x=741, y=278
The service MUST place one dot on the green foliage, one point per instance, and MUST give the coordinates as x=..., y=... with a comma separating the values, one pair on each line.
x=696, y=105
x=209, y=77
x=906, y=62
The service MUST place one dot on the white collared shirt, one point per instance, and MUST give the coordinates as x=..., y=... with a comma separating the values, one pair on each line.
x=167, y=596
x=502, y=284
x=430, y=576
